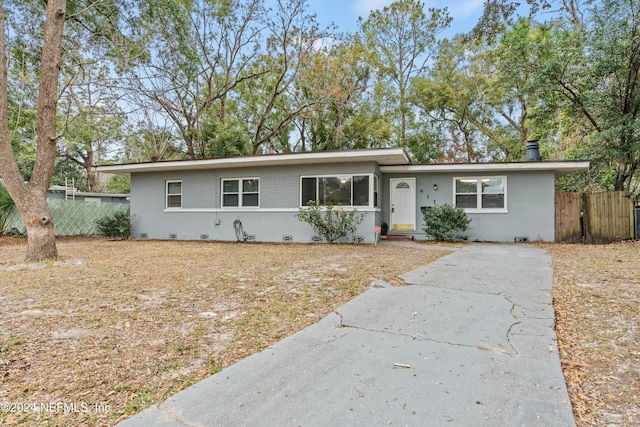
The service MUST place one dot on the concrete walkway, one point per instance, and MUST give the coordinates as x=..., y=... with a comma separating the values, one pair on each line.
x=470, y=344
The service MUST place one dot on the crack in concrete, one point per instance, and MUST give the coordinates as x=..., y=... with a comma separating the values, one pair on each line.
x=527, y=309
x=175, y=416
x=276, y=346
x=340, y=325
x=417, y=338
x=509, y=335
x=543, y=316
x=475, y=291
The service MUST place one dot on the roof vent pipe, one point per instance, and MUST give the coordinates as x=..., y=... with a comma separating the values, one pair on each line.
x=533, y=151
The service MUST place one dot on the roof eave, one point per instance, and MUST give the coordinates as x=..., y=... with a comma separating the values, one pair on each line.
x=560, y=168
x=383, y=156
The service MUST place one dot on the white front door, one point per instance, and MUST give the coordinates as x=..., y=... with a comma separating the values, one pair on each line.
x=403, y=204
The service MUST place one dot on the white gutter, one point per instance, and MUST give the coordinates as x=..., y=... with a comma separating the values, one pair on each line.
x=560, y=168
x=383, y=156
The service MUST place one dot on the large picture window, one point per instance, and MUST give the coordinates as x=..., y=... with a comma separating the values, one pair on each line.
x=339, y=190
x=173, y=195
x=481, y=193
x=241, y=193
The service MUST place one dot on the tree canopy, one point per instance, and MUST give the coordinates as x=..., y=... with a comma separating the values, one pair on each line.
x=108, y=81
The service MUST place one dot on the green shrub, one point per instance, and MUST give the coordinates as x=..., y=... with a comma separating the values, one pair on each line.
x=442, y=222
x=7, y=209
x=330, y=222
x=117, y=225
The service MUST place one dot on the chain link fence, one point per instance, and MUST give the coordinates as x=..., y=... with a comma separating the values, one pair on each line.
x=70, y=217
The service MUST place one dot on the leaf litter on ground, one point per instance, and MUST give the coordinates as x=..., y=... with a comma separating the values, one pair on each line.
x=137, y=321
x=596, y=298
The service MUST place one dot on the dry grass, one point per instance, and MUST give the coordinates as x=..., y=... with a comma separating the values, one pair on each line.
x=596, y=297
x=139, y=320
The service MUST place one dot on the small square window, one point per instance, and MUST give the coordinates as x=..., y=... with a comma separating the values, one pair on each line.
x=481, y=193
x=173, y=195
x=240, y=192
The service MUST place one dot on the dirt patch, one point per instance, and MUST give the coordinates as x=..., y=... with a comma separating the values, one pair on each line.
x=596, y=298
x=92, y=343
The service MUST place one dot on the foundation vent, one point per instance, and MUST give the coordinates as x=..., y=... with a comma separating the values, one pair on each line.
x=173, y=236
x=520, y=239
x=358, y=239
x=250, y=238
x=204, y=237
x=144, y=235
x=316, y=238
x=287, y=238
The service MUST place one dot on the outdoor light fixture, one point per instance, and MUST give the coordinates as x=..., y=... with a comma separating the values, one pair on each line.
x=435, y=187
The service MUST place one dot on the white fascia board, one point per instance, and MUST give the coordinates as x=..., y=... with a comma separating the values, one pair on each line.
x=559, y=168
x=383, y=156
x=92, y=194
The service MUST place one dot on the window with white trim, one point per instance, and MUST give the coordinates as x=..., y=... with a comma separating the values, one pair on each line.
x=339, y=190
x=173, y=190
x=241, y=193
x=481, y=194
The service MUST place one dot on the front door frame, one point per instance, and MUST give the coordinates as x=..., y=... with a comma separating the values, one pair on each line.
x=402, y=208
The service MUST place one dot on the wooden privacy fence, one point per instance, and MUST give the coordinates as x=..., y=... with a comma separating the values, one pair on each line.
x=594, y=218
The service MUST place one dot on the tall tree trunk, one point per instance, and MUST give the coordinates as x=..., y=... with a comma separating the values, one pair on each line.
x=30, y=198
x=41, y=239
x=92, y=176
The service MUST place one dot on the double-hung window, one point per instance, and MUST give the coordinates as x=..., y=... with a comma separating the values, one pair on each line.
x=481, y=194
x=340, y=190
x=241, y=193
x=173, y=199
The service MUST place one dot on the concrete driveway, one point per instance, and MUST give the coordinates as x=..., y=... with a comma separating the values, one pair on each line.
x=470, y=343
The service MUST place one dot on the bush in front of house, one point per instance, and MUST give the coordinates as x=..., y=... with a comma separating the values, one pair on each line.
x=444, y=221
x=331, y=222
x=116, y=226
x=7, y=208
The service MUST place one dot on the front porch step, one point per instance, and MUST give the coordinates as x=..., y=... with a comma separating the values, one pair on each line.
x=396, y=237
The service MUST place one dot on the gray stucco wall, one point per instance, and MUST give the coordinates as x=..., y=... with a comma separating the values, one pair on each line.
x=202, y=217
x=530, y=205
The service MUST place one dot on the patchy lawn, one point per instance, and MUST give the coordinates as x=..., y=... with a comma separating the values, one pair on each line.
x=137, y=321
x=597, y=302
x=94, y=342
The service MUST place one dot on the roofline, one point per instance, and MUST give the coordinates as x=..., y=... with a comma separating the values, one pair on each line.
x=53, y=189
x=560, y=168
x=93, y=194
x=391, y=160
x=383, y=156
